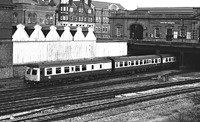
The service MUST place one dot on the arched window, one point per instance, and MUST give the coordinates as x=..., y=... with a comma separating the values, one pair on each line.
x=157, y=32
x=51, y=19
x=118, y=30
x=113, y=7
x=34, y=19
x=29, y=18
x=47, y=19
x=15, y=17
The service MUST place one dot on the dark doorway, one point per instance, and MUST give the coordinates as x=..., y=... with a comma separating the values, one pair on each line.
x=136, y=31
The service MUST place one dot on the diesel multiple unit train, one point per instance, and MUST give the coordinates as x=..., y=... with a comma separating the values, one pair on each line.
x=85, y=69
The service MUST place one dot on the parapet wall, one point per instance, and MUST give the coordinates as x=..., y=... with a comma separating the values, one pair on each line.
x=38, y=48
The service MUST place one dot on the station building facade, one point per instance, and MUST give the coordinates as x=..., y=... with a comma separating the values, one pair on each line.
x=157, y=24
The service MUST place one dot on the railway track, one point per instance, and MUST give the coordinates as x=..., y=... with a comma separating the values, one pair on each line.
x=28, y=93
x=103, y=106
x=21, y=95
x=75, y=98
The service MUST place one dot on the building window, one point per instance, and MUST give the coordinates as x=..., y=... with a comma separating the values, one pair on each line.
x=71, y=9
x=80, y=19
x=63, y=8
x=29, y=18
x=85, y=19
x=99, y=30
x=157, y=32
x=118, y=31
x=15, y=17
x=64, y=17
x=49, y=19
x=34, y=19
x=89, y=11
x=80, y=10
x=182, y=33
x=89, y=19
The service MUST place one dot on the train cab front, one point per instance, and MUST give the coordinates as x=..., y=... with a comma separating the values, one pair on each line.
x=32, y=75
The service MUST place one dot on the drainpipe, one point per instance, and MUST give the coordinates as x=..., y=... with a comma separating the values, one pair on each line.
x=24, y=16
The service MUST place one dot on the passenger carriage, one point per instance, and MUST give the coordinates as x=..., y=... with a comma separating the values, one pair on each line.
x=134, y=64
x=66, y=70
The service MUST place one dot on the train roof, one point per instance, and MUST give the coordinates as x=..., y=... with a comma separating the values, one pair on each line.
x=69, y=62
x=129, y=58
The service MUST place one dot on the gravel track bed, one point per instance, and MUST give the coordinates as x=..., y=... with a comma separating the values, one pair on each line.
x=133, y=116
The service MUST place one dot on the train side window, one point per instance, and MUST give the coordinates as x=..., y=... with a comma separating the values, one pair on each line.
x=49, y=71
x=58, y=70
x=66, y=69
x=141, y=62
x=153, y=61
x=92, y=66
x=83, y=67
x=156, y=60
x=125, y=63
x=116, y=64
x=170, y=59
x=100, y=66
x=77, y=68
x=28, y=71
x=132, y=63
x=129, y=63
x=145, y=61
x=137, y=62
x=34, y=72
x=121, y=64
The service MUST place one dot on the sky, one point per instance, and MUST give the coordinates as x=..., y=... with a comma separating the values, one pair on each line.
x=133, y=4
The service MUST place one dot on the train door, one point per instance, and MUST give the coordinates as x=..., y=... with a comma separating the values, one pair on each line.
x=136, y=31
x=169, y=35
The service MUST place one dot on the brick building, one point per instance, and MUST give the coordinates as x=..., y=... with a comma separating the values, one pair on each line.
x=157, y=24
x=75, y=13
x=31, y=12
x=6, y=69
x=103, y=10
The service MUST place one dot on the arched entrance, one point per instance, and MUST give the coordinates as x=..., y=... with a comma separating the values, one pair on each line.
x=136, y=31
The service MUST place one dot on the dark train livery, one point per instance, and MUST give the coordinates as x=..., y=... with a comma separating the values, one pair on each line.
x=91, y=68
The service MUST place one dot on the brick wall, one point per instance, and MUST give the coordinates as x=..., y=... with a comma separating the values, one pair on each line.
x=6, y=60
x=6, y=46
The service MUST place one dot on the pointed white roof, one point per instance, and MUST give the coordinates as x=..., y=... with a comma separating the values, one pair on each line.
x=79, y=36
x=66, y=35
x=20, y=34
x=37, y=34
x=52, y=35
x=90, y=35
